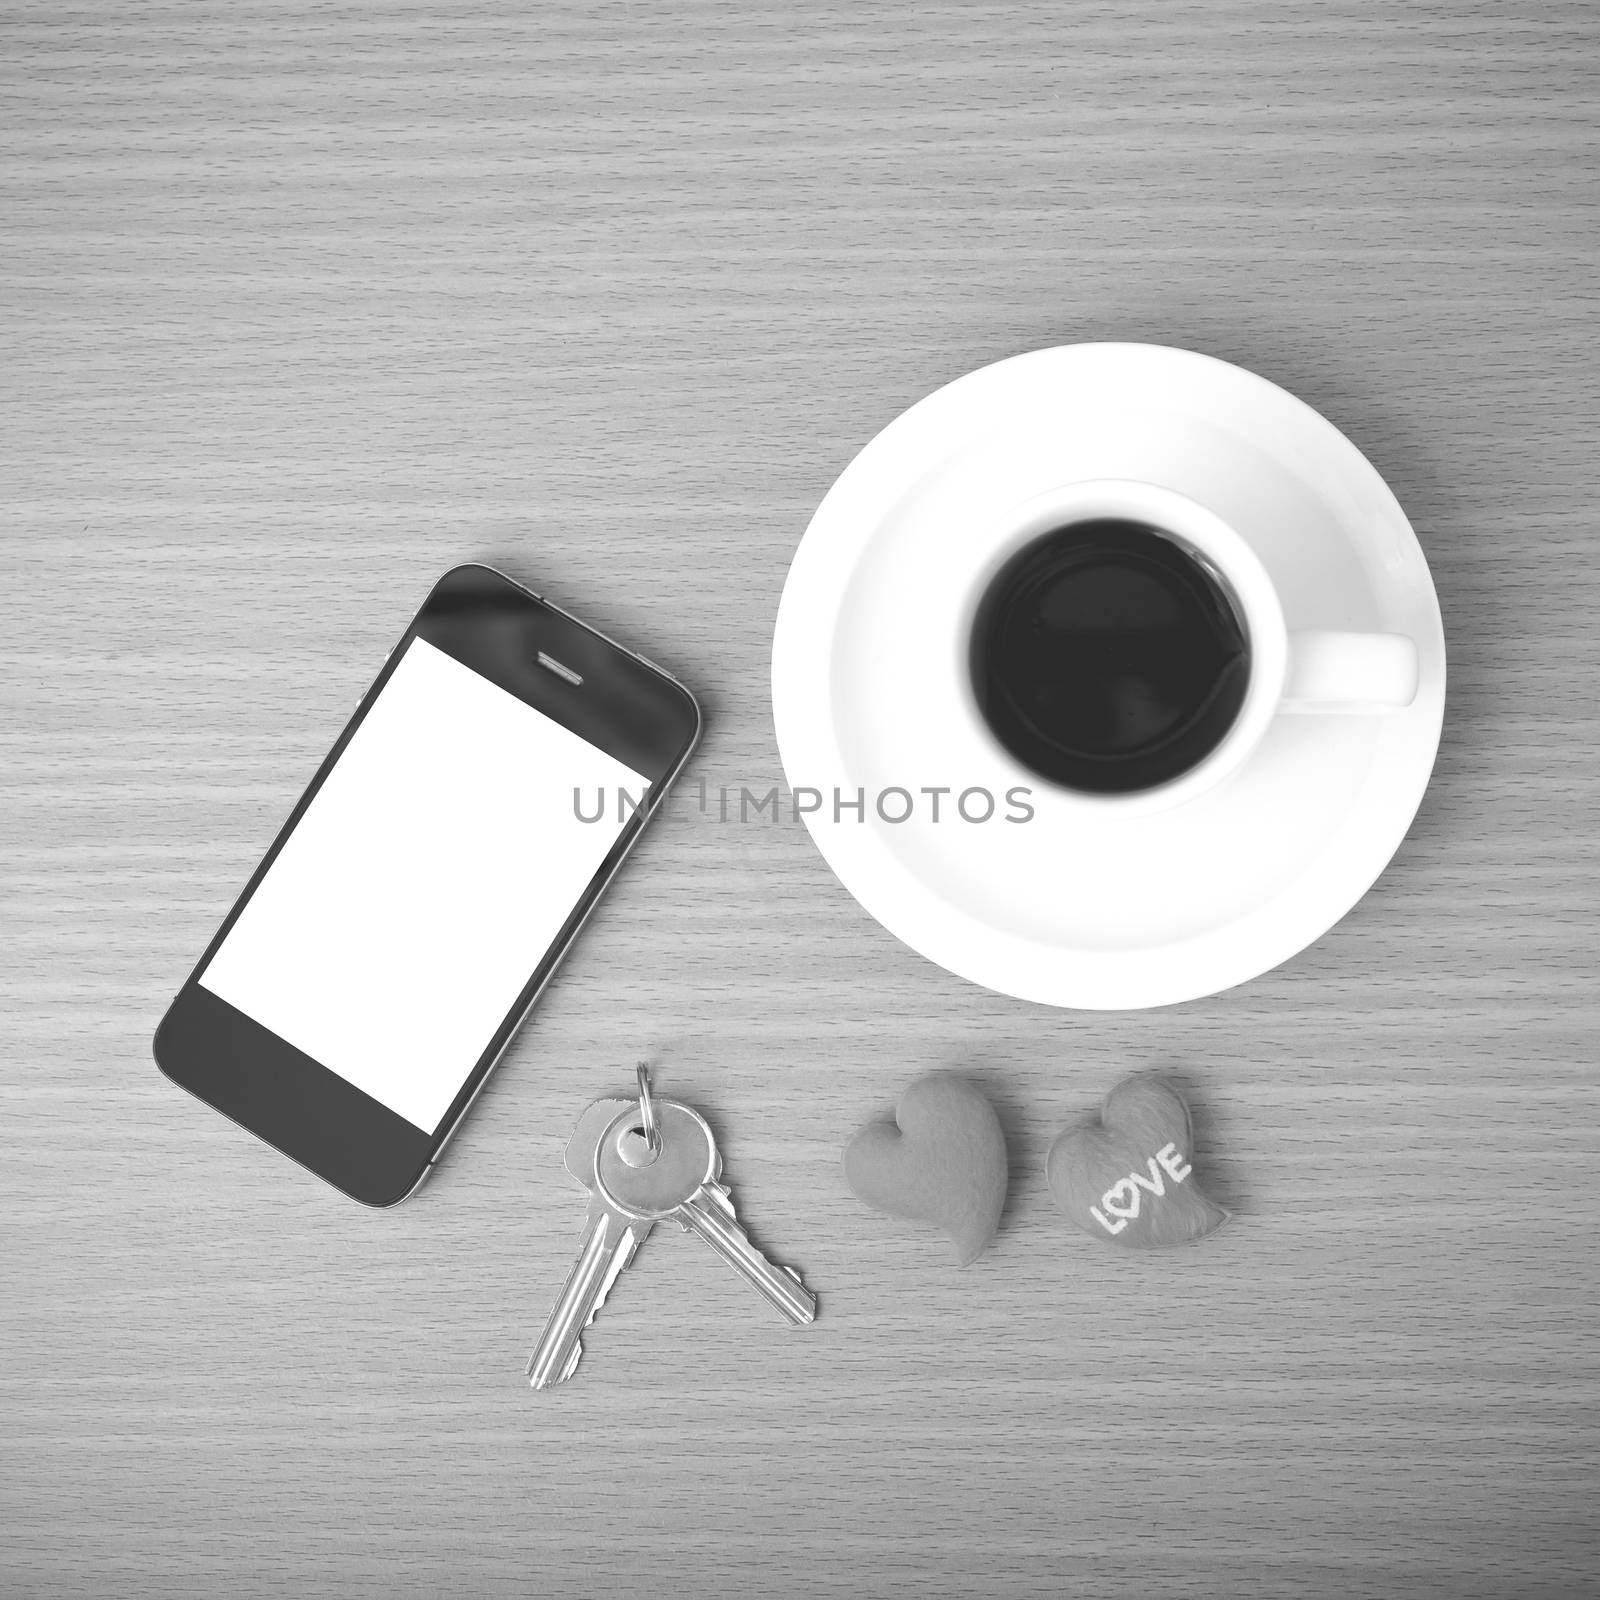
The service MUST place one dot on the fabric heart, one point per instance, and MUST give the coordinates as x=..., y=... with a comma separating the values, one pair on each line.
x=944, y=1163
x=1128, y=1180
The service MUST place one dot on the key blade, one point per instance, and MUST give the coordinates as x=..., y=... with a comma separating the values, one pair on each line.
x=607, y=1246
x=713, y=1219
x=627, y=1248
x=717, y=1194
x=626, y=1251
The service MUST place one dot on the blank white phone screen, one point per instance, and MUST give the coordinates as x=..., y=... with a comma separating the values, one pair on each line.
x=424, y=884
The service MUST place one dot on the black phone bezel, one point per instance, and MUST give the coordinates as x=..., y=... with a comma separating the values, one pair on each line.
x=625, y=705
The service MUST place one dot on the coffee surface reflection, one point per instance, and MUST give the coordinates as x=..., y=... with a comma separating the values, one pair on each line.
x=1107, y=658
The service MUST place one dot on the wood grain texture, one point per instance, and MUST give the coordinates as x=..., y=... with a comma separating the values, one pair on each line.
x=299, y=304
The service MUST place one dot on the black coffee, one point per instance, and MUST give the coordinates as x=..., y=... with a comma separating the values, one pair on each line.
x=1107, y=658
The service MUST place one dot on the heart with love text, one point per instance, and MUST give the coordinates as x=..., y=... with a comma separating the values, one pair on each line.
x=1128, y=1179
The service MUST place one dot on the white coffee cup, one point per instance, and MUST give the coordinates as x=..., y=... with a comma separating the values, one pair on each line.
x=1290, y=673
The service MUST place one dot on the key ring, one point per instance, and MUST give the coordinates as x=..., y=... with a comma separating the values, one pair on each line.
x=647, y=1110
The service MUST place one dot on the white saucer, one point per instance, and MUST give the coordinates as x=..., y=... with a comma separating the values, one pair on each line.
x=1081, y=907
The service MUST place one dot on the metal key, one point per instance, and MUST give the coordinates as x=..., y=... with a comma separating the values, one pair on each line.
x=609, y=1243
x=681, y=1182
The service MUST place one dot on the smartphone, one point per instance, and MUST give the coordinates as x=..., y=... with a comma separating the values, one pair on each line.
x=427, y=884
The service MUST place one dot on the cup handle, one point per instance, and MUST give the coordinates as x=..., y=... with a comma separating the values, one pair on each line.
x=1350, y=672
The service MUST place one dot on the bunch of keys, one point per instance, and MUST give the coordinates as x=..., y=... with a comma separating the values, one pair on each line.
x=644, y=1162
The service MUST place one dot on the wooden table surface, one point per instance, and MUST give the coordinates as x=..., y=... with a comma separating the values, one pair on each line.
x=301, y=304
